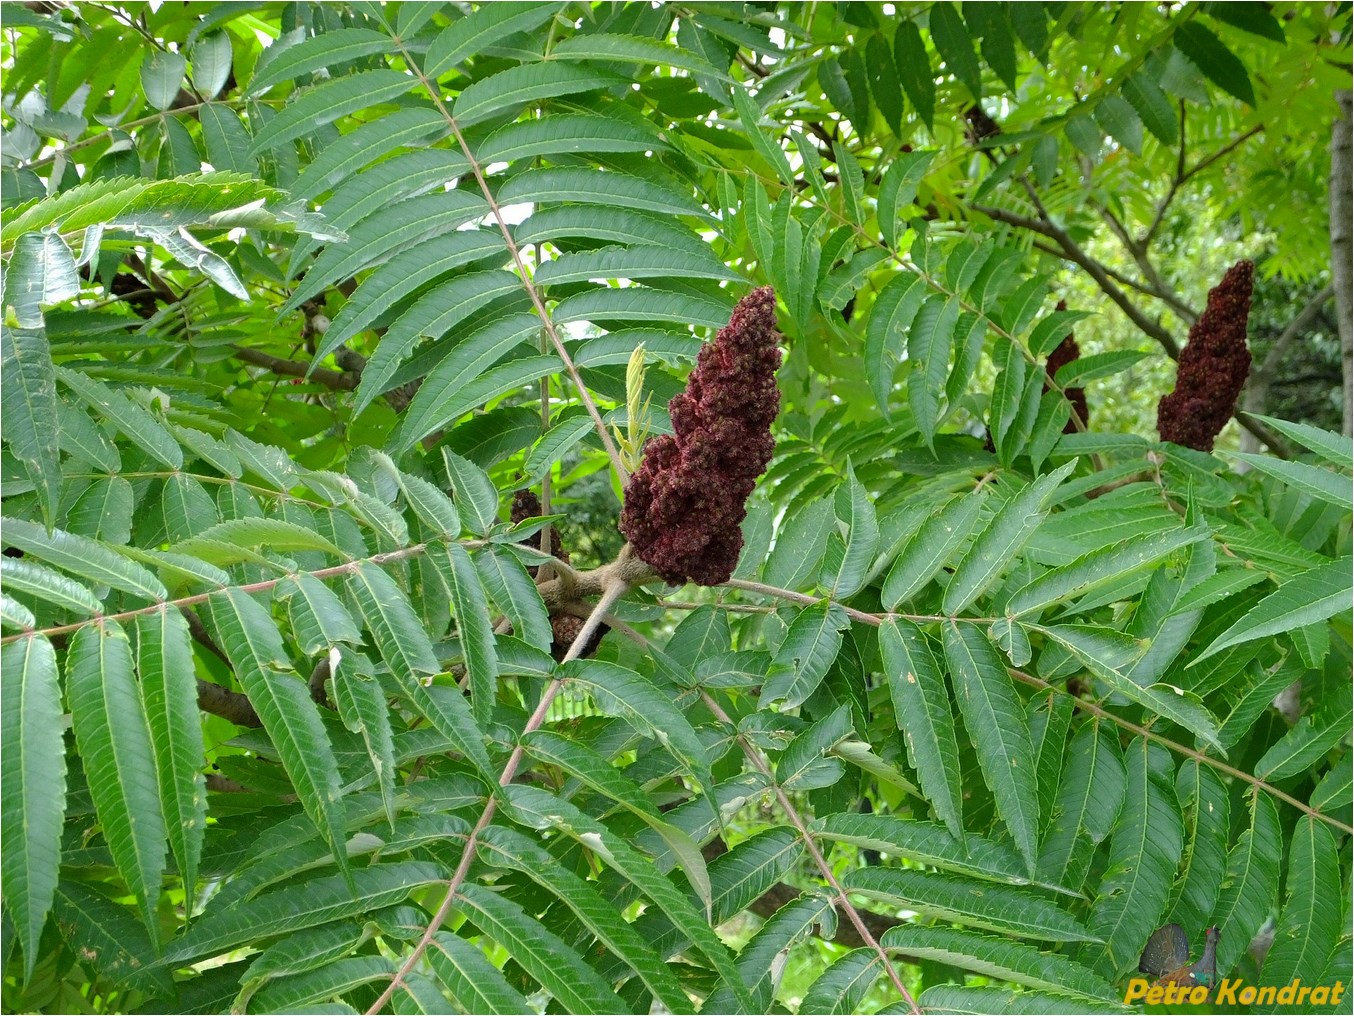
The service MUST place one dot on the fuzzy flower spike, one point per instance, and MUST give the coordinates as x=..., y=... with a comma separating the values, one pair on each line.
x=684, y=505
x=1213, y=365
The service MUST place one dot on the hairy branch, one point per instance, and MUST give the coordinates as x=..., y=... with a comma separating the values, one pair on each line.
x=617, y=588
x=570, y=585
x=824, y=869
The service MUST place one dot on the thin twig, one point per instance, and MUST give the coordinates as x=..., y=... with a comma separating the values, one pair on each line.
x=858, y=615
x=532, y=292
x=877, y=619
x=1073, y=252
x=1155, y=286
x=1176, y=746
x=614, y=591
x=1176, y=183
x=250, y=587
x=141, y=122
x=1296, y=327
x=737, y=608
x=579, y=583
x=755, y=757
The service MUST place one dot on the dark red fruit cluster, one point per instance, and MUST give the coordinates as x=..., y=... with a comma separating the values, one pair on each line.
x=1067, y=351
x=1213, y=365
x=684, y=506
x=564, y=627
x=526, y=505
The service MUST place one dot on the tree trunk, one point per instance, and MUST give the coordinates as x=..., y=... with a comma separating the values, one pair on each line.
x=1341, y=183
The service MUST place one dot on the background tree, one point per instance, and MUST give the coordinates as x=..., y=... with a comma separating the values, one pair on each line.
x=333, y=334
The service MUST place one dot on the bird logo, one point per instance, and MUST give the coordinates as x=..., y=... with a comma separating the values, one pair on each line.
x=1166, y=957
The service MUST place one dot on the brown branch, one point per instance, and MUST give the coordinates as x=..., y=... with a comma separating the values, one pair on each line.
x=1255, y=397
x=1183, y=175
x=1223, y=152
x=229, y=705
x=1154, y=329
x=1124, y=280
x=847, y=933
x=570, y=585
x=343, y=381
x=398, y=397
x=851, y=612
x=610, y=596
x=265, y=585
x=821, y=133
x=1155, y=285
x=752, y=65
x=1294, y=328
x=225, y=785
x=157, y=285
x=1342, y=248
x=318, y=677
x=202, y=637
x=1073, y=252
x=212, y=698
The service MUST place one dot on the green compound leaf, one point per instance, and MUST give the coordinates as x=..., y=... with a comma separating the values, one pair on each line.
x=999, y=732
x=33, y=794
x=115, y=744
x=921, y=708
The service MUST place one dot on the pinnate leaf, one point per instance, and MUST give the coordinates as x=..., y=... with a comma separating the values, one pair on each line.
x=997, y=728
x=921, y=708
x=33, y=798
x=115, y=745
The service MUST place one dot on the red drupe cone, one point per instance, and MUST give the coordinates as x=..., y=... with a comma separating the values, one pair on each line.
x=1067, y=351
x=1213, y=365
x=684, y=505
